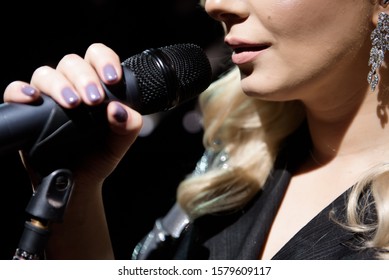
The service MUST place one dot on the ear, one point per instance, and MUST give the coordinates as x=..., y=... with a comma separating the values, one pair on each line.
x=381, y=7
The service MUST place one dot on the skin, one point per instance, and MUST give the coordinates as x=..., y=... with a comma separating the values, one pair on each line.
x=316, y=52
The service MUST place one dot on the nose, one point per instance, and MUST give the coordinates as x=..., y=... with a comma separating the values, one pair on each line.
x=227, y=11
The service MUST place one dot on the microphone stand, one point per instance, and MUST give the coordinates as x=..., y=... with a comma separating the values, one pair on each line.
x=47, y=205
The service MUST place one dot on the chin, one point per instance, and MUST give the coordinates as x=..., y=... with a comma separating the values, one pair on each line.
x=254, y=88
x=266, y=92
x=258, y=86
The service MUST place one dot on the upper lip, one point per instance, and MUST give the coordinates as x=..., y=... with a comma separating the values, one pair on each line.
x=240, y=45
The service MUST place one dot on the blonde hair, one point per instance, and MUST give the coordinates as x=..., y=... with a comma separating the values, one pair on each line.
x=250, y=132
x=367, y=210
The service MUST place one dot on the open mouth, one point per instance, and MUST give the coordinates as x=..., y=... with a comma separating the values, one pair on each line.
x=250, y=49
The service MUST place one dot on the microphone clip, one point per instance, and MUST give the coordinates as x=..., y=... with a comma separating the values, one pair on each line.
x=47, y=205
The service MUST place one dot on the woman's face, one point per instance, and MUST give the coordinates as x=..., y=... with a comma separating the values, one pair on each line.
x=286, y=49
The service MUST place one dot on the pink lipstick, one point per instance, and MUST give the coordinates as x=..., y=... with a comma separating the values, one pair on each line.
x=246, y=54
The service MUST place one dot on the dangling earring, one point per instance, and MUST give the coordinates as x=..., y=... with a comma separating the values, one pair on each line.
x=380, y=44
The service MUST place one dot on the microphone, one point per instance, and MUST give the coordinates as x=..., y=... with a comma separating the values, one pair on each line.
x=155, y=80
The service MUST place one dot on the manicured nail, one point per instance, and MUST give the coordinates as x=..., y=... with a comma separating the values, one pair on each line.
x=121, y=114
x=69, y=96
x=93, y=93
x=28, y=90
x=110, y=73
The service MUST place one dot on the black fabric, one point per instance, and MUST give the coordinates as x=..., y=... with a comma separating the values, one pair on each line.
x=322, y=238
x=242, y=235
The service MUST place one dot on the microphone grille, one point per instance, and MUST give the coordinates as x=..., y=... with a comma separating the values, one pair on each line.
x=169, y=75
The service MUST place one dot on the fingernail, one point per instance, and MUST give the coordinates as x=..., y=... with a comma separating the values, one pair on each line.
x=69, y=96
x=110, y=73
x=93, y=93
x=28, y=90
x=121, y=114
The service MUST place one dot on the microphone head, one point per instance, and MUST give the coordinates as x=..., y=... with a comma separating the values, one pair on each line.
x=166, y=77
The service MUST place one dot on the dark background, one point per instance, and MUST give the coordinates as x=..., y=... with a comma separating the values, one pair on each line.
x=143, y=186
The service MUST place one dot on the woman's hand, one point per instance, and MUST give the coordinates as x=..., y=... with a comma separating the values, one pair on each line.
x=78, y=80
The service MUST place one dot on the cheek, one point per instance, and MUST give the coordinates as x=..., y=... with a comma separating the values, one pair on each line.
x=312, y=31
x=300, y=19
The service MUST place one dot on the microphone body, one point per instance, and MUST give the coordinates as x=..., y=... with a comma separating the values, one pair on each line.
x=153, y=81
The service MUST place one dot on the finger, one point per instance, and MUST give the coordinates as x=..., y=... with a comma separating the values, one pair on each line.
x=123, y=120
x=101, y=64
x=105, y=61
x=53, y=83
x=83, y=78
x=19, y=91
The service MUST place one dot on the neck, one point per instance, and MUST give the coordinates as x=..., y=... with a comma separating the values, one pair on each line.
x=355, y=127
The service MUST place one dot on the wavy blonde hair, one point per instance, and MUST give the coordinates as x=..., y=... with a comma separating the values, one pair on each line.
x=367, y=210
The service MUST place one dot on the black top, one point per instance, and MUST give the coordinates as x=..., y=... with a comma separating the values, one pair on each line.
x=241, y=235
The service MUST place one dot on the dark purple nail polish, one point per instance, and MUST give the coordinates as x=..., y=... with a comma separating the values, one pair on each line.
x=93, y=93
x=69, y=96
x=121, y=114
x=28, y=90
x=110, y=73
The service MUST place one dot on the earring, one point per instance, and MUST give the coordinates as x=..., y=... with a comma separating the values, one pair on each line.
x=380, y=44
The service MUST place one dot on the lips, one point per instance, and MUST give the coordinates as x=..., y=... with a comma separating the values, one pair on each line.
x=246, y=54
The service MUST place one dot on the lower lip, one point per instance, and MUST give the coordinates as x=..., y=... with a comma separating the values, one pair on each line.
x=244, y=57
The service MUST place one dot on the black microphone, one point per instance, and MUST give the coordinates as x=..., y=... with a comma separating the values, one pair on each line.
x=155, y=80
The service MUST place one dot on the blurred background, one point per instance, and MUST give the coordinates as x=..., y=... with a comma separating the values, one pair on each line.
x=142, y=188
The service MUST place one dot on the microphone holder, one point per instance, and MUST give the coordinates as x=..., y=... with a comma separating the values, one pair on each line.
x=53, y=164
x=47, y=205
